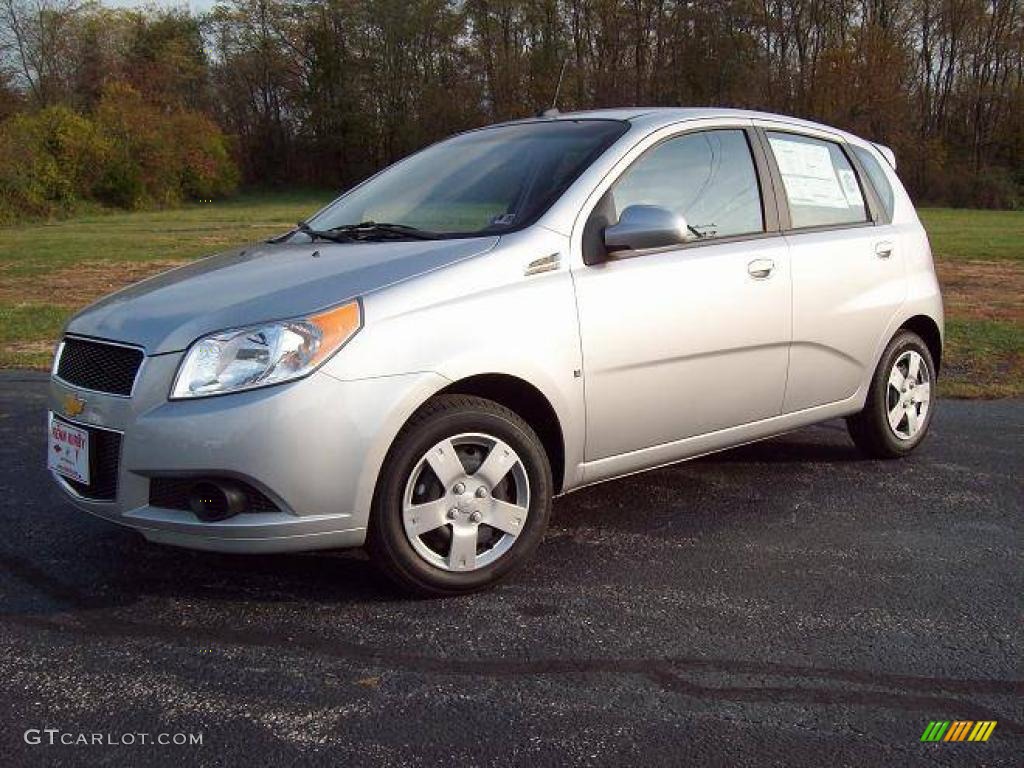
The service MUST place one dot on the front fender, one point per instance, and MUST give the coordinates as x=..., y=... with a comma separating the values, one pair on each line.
x=481, y=316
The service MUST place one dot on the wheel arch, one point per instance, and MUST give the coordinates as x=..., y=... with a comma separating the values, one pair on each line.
x=529, y=403
x=928, y=330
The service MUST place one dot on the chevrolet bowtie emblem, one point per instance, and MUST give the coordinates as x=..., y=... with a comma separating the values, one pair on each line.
x=73, y=405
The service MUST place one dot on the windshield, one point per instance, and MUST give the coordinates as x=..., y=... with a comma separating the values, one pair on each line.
x=484, y=182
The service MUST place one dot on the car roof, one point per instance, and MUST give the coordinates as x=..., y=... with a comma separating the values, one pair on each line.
x=657, y=117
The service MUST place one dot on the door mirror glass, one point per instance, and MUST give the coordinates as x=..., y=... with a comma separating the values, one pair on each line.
x=646, y=226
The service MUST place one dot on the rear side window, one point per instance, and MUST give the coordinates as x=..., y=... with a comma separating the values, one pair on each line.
x=821, y=185
x=879, y=180
x=707, y=177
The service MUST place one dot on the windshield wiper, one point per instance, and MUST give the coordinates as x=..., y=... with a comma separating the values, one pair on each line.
x=347, y=233
x=376, y=227
x=320, y=234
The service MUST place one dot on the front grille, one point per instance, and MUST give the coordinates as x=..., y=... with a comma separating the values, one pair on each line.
x=98, y=366
x=173, y=493
x=104, y=463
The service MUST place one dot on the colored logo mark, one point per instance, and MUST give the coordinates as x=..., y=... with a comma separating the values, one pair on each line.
x=73, y=405
x=958, y=730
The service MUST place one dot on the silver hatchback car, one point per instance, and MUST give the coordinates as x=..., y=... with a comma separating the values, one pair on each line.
x=508, y=315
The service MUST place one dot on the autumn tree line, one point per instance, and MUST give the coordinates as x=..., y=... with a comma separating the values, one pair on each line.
x=145, y=107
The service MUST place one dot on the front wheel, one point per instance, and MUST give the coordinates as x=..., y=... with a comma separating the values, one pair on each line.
x=463, y=499
x=900, y=402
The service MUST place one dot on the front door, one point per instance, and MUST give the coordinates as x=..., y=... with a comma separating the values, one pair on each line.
x=690, y=339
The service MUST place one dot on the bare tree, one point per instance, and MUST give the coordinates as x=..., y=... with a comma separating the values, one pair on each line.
x=34, y=35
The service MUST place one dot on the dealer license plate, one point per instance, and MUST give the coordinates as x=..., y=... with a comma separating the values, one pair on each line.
x=68, y=450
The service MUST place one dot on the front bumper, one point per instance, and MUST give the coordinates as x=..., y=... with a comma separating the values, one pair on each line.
x=314, y=447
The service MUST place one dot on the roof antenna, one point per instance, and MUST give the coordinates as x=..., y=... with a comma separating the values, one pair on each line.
x=552, y=111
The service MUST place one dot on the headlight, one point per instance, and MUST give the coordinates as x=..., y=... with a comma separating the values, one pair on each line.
x=260, y=355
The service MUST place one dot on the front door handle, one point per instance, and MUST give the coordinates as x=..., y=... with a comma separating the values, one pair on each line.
x=883, y=250
x=759, y=269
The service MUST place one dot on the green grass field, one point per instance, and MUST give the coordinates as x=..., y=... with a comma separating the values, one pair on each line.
x=968, y=235
x=979, y=256
x=180, y=233
x=49, y=270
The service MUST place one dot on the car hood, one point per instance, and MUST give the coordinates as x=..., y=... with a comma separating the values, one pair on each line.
x=168, y=312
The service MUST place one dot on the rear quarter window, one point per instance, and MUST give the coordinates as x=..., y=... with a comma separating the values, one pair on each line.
x=879, y=179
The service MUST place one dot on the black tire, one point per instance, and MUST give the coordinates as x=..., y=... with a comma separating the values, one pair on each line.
x=443, y=417
x=870, y=429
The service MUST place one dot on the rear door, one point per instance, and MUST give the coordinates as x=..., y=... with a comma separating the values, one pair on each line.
x=847, y=268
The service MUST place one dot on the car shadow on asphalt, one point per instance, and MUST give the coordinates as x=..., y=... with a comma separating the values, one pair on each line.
x=796, y=448
x=100, y=566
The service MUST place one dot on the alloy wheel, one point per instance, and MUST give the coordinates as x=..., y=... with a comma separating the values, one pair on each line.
x=466, y=502
x=908, y=395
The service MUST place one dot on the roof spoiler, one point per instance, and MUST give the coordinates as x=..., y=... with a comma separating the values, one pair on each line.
x=887, y=153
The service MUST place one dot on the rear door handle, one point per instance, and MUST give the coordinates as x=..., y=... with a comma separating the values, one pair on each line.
x=883, y=250
x=759, y=269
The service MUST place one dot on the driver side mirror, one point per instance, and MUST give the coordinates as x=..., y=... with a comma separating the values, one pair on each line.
x=646, y=226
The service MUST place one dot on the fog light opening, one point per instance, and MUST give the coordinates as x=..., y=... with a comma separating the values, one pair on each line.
x=213, y=500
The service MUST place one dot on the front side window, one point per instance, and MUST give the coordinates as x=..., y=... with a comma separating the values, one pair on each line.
x=709, y=178
x=484, y=182
x=821, y=185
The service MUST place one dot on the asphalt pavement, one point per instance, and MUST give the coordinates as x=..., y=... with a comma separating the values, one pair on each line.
x=783, y=603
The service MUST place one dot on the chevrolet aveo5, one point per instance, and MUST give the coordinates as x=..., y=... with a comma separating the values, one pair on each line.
x=503, y=317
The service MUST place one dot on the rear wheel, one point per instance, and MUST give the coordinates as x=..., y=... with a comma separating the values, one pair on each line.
x=901, y=400
x=463, y=500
